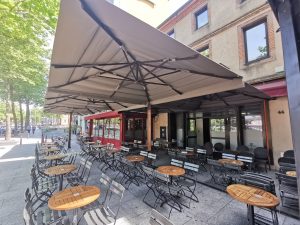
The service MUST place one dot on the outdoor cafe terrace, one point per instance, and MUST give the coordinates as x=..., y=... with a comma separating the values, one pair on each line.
x=100, y=184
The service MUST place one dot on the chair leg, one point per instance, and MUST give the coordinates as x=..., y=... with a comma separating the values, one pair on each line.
x=274, y=216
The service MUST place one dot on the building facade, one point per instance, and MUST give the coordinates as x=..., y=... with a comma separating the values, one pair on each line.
x=244, y=36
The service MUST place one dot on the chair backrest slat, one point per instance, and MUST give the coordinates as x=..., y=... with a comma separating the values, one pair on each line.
x=176, y=162
x=104, y=179
x=125, y=149
x=245, y=158
x=144, y=153
x=191, y=166
x=228, y=156
x=117, y=188
x=201, y=151
x=152, y=156
x=189, y=149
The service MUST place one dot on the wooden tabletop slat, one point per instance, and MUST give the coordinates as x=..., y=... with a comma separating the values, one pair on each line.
x=291, y=173
x=55, y=157
x=231, y=161
x=73, y=198
x=51, y=150
x=135, y=158
x=252, y=196
x=171, y=170
x=60, y=170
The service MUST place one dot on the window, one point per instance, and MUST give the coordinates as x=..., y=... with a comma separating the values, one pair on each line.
x=204, y=51
x=201, y=17
x=171, y=34
x=256, y=42
x=217, y=131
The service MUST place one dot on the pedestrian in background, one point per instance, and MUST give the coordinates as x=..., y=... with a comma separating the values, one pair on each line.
x=28, y=128
x=33, y=129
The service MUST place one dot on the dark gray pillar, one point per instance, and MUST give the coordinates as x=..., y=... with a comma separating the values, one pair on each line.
x=70, y=130
x=292, y=69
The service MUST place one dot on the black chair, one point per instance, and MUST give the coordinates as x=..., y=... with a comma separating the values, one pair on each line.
x=242, y=148
x=289, y=154
x=108, y=212
x=258, y=180
x=219, y=147
x=208, y=146
x=217, y=172
x=247, y=158
x=33, y=215
x=261, y=156
x=286, y=164
x=202, y=157
x=189, y=181
x=288, y=191
x=266, y=183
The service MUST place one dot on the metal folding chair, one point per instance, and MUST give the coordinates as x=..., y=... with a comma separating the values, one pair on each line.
x=108, y=213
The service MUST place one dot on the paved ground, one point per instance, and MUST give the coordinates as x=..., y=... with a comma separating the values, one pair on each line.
x=214, y=208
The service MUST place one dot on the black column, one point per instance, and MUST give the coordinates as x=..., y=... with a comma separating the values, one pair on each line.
x=292, y=69
x=70, y=130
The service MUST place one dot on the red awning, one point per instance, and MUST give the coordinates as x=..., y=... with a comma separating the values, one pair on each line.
x=275, y=88
x=103, y=115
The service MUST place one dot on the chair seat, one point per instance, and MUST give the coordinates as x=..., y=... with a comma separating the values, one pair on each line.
x=185, y=182
x=48, y=216
x=98, y=216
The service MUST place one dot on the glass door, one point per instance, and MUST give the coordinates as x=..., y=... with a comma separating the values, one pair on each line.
x=191, y=132
x=217, y=131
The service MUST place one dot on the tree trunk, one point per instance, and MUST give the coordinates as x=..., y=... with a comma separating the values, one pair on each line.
x=13, y=110
x=21, y=116
x=27, y=114
x=8, y=114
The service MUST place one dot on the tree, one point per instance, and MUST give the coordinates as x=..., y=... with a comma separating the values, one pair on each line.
x=27, y=26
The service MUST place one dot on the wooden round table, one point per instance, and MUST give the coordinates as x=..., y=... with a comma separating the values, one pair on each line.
x=252, y=196
x=55, y=157
x=60, y=171
x=51, y=150
x=231, y=161
x=291, y=173
x=135, y=158
x=74, y=197
x=171, y=171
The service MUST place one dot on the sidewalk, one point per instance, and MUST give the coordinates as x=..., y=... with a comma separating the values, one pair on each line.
x=15, y=164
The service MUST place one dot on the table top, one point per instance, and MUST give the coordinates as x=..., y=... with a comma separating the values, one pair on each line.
x=55, y=157
x=48, y=143
x=291, y=173
x=74, y=197
x=231, y=161
x=252, y=196
x=52, y=150
x=171, y=170
x=135, y=158
x=60, y=169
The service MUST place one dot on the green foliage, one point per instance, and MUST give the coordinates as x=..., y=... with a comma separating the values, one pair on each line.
x=27, y=28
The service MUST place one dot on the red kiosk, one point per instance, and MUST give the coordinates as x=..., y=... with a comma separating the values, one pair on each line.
x=116, y=128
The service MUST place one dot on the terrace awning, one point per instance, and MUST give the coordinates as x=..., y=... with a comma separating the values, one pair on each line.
x=102, y=53
x=65, y=103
